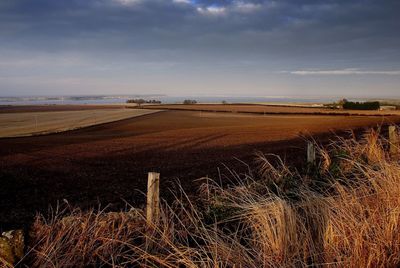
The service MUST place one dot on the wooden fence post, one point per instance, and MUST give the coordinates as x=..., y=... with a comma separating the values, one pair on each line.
x=311, y=155
x=153, y=198
x=393, y=141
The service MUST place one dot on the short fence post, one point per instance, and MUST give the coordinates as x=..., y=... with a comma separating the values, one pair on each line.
x=153, y=198
x=152, y=207
x=311, y=155
x=393, y=141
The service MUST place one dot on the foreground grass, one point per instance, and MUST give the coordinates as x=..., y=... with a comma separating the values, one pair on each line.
x=343, y=213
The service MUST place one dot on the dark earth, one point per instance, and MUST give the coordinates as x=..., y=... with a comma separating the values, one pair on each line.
x=108, y=164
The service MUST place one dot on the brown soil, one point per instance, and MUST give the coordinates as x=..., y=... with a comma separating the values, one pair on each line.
x=268, y=109
x=108, y=163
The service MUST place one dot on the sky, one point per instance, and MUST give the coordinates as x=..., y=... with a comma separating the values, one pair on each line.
x=345, y=48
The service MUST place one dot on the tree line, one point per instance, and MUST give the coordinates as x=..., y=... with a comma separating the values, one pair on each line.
x=368, y=105
x=142, y=101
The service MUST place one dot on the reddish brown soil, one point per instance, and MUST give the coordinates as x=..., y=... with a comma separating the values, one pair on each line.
x=108, y=163
x=268, y=109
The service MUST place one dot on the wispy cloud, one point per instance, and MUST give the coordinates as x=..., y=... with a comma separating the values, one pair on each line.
x=213, y=10
x=344, y=72
x=181, y=1
x=127, y=2
x=246, y=7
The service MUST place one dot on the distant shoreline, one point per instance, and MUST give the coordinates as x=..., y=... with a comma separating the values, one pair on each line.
x=85, y=100
x=121, y=100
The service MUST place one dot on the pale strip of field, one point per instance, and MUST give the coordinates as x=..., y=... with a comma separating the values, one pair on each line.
x=33, y=123
x=291, y=104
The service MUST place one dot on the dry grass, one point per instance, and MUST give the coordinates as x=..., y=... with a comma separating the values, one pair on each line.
x=344, y=213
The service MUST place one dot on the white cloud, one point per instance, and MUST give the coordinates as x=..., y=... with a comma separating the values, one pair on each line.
x=236, y=6
x=127, y=2
x=241, y=6
x=181, y=1
x=350, y=71
x=211, y=10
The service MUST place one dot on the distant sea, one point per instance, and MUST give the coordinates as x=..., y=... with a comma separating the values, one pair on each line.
x=49, y=100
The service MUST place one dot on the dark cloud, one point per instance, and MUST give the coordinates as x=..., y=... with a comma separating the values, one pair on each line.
x=285, y=26
x=292, y=33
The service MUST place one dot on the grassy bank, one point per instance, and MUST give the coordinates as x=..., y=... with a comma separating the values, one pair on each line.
x=344, y=212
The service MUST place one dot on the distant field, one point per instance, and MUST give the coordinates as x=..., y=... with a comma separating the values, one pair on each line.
x=267, y=109
x=30, y=123
x=60, y=107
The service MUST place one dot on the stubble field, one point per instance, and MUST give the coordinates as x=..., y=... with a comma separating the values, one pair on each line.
x=18, y=124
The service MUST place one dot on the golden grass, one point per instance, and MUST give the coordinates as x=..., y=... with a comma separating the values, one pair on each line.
x=344, y=213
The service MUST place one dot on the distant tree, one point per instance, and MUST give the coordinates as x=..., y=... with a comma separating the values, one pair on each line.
x=189, y=102
x=137, y=101
x=342, y=102
x=142, y=101
x=373, y=105
x=224, y=102
x=336, y=105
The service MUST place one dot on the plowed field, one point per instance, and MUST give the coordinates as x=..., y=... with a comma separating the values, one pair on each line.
x=108, y=163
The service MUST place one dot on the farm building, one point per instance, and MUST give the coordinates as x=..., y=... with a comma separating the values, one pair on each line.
x=388, y=108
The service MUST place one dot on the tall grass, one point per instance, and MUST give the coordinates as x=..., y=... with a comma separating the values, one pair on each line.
x=343, y=213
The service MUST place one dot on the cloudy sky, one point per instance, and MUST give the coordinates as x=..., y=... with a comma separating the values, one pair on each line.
x=200, y=47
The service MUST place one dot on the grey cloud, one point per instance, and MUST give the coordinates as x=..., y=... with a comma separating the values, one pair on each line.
x=282, y=27
x=199, y=35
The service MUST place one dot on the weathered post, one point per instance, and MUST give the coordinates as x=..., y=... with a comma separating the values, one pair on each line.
x=153, y=198
x=393, y=141
x=152, y=207
x=311, y=155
